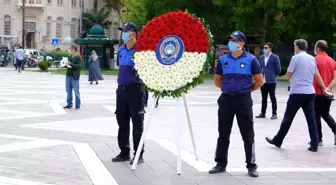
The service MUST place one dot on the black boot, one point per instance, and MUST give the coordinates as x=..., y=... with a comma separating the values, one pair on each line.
x=121, y=158
x=270, y=141
x=261, y=115
x=219, y=168
x=141, y=160
x=252, y=172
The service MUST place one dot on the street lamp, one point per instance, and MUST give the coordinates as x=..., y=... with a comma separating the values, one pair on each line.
x=23, y=23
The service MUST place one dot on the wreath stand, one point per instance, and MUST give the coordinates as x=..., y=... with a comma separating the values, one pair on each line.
x=178, y=132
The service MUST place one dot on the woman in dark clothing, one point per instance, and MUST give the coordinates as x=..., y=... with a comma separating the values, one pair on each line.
x=94, y=68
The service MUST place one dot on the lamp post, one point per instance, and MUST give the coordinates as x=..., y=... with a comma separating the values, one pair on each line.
x=81, y=4
x=23, y=23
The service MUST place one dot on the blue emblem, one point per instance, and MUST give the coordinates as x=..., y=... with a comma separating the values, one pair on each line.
x=169, y=50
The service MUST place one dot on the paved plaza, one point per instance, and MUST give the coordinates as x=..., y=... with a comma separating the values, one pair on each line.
x=42, y=144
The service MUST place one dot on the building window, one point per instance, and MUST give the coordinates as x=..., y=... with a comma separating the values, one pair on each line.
x=73, y=28
x=59, y=2
x=74, y=2
x=95, y=5
x=30, y=27
x=59, y=27
x=7, y=25
x=115, y=30
x=48, y=28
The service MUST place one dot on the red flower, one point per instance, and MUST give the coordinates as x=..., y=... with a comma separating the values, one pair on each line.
x=179, y=23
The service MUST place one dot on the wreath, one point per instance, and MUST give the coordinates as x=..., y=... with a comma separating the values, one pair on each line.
x=173, y=52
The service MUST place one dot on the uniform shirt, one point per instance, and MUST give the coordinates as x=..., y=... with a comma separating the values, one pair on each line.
x=127, y=75
x=326, y=67
x=303, y=67
x=237, y=73
x=19, y=54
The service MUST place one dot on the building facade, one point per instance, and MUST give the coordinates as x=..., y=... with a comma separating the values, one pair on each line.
x=48, y=19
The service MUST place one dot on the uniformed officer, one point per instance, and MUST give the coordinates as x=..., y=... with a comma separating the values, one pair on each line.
x=130, y=96
x=235, y=72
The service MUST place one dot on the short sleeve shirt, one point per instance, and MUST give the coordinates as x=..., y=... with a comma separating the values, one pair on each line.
x=303, y=69
x=326, y=67
x=127, y=75
x=237, y=72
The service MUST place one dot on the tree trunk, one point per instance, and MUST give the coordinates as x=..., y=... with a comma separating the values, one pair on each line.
x=264, y=28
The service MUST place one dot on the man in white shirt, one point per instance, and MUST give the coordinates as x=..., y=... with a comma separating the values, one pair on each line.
x=19, y=55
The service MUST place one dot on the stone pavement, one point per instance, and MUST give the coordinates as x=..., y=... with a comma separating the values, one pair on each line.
x=41, y=144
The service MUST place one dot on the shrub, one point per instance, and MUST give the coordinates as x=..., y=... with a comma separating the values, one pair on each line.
x=283, y=70
x=57, y=55
x=44, y=65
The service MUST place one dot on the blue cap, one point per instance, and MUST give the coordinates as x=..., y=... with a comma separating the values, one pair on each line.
x=129, y=26
x=238, y=35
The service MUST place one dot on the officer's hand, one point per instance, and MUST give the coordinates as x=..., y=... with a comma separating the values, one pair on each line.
x=68, y=63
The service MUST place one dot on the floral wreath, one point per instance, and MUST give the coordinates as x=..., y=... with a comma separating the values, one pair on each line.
x=173, y=52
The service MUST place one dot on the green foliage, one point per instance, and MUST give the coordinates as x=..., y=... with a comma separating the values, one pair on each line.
x=44, y=65
x=114, y=4
x=283, y=70
x=100, y=17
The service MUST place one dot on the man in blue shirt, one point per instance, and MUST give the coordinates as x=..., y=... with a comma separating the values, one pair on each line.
x=235, y=72
x=130, y=96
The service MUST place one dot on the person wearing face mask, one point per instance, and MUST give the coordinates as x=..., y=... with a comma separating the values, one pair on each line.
x=301, y=72
x=270, y=64
x=72, y=78
x=327, y=69
x=130, y=97
x=235, y=73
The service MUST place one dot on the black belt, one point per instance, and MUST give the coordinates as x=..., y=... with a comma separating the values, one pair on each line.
x=133, y=86
x=236, y=94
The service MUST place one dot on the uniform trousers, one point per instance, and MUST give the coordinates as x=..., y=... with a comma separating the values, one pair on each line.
x=241, y=106
x=130, y=106
x=294, y=103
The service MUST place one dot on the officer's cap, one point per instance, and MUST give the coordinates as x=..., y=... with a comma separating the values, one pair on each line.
x=129, y=26
x=238, y=35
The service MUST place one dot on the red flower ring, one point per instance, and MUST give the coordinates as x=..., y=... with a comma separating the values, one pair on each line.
x=171, y=53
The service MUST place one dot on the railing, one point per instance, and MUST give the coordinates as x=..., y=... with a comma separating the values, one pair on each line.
x=33, y=3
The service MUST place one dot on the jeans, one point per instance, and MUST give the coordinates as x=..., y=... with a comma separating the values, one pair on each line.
x=294, y=103
x=265, y=90
x=71, y=84
x=241, y=106
x=322, y=109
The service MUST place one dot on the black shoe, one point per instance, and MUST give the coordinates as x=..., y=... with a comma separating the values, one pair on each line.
x=141, y=160
x=77, y=108
x=67, y=107
x=274, y=116
x=261, y=115
x=312, y=149
x=121, y=158
x=91, y=82
x=270, y=141
x=335, y=139
x=96, y=82
x=252, y=172
x=218, y=169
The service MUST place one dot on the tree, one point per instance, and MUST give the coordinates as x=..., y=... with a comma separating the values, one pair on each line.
x=93, y=17
x=310, y=19
x=116, y=5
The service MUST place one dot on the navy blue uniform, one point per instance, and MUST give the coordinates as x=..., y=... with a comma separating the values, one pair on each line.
x=130, y=101
x=236, y=100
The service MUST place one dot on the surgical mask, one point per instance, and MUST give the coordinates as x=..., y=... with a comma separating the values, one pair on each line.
x=125, y=36
x=233, y=46
x=265, y=51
